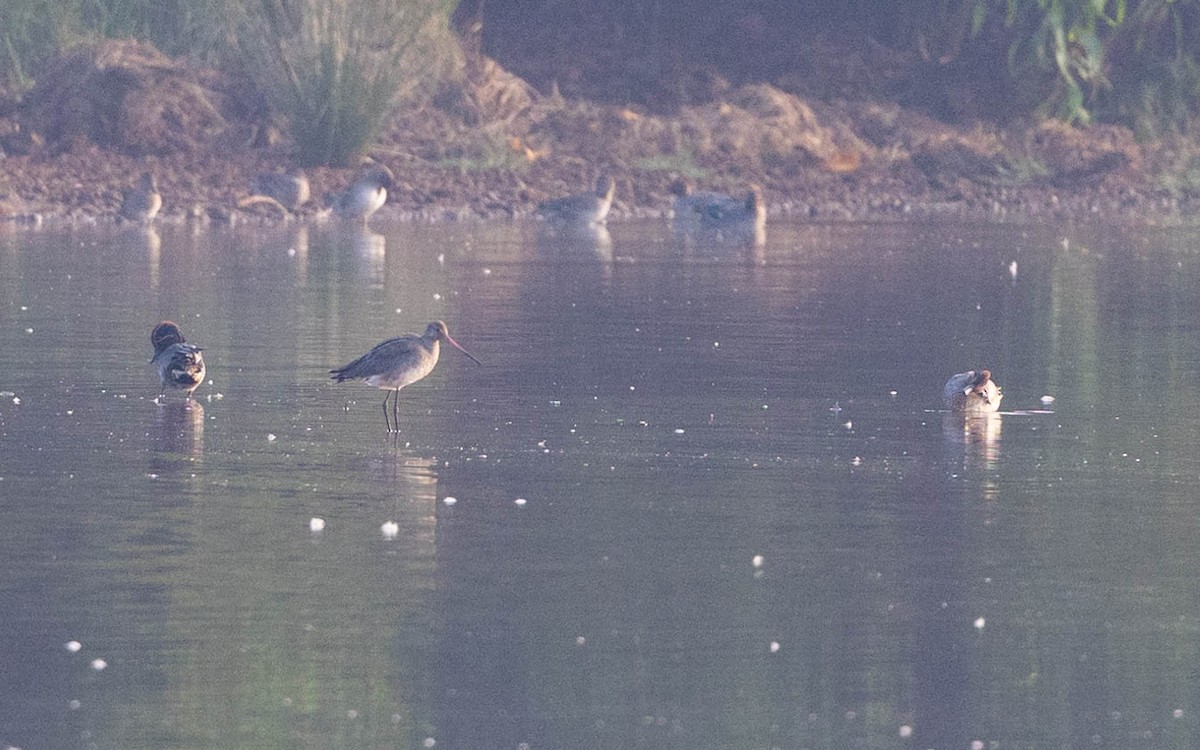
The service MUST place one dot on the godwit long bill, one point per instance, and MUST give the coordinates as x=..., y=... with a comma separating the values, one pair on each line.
x=398, y=362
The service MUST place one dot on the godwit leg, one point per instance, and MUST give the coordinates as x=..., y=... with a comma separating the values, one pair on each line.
x=396, y=410
x=387, y=425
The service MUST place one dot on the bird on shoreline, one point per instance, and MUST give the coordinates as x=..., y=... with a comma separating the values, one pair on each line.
x=398, y=362
x=972, y=392
x=142, y=202
x=582, y=209
x=364, y=196
x=749, y=212
x=690, y=205
x=289, y=189
x=180, y=365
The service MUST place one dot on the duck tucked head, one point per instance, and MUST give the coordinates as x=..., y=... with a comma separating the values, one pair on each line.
x=972, y=391
x=165, y=334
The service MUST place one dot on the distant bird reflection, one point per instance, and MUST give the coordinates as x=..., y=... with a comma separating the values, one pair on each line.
x=586, y=242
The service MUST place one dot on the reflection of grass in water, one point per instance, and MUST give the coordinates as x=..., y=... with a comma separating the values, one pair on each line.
x=682, y=163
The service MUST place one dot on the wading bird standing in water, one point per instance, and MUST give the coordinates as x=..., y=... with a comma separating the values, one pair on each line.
x=180, y=365
x=399, y=362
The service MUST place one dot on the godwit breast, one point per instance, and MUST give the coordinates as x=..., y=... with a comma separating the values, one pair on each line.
x=180, y=365
x=398, y=362
x=586, y=208
x=972, y=393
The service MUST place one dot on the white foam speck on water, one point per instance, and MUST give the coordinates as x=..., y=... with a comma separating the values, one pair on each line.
x=774, y=647
x=1177, y=713
x=1012, y=269
x=74, y=704
x=980, y=622
x=679, y=430
x=73, y=646
x=316, y=524
x=856, y=461
x=448, y=500
x=270, y=437
x=905, y=731
x=520, y=502
x=580, y=640
x=17, y=400
x=716, y=344
x=487, y=272
x=390, y=529
x=976, y=744
x=429, y=742
x=291, y=251
x=893, y=394
x=848, y=425
x=1047, y=400
x=436, y=296
x=28, y=330
x=441, y=258
x=7, y=394
x=99, y=664
x=757, y=561
x=351, y=714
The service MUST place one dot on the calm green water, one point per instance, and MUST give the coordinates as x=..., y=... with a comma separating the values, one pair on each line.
x=745, y=523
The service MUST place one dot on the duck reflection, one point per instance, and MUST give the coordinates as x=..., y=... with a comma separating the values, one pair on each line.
x=978, y=435
x=178, y=436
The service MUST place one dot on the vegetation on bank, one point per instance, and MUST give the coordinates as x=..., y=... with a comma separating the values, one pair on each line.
x=334, y=71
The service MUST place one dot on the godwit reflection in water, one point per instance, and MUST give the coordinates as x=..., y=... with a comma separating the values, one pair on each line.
x=412, y=483
x=148, y=238
x=178, y=436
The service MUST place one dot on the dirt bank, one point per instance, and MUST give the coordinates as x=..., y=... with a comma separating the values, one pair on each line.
x=491, y=146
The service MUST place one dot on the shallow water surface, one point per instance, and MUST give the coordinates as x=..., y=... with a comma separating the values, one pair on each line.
x=699, y=495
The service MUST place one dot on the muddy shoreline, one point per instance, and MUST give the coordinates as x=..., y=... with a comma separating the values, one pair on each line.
x=470, y=154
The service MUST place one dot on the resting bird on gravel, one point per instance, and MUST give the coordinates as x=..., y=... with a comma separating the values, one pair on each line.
x=141, y=203
x=289, y=189
x=584, y=209
x=364, y=196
